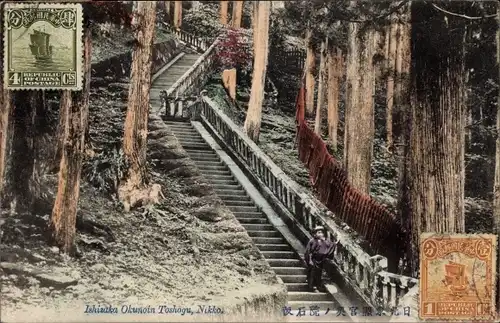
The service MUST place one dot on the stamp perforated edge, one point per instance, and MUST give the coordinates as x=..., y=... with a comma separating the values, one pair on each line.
x=494, y=239
x=79, y=44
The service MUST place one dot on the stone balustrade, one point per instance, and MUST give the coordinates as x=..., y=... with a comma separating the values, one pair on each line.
x=193, y=41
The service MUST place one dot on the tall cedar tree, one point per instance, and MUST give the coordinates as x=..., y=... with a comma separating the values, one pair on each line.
x=4, y=117
x=435, y=179
x=309, y=70
x=237, y=14
x=136, y=121
x=76, y=114
x=177, y=14
x=359, y=114
x=335, y=73
x=224, y=6
x=321, y=86
x=392, y=33
x=261, y=39
x=496, y=195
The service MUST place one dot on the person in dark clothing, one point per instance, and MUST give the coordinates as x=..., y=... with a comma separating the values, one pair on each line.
x=317, y=251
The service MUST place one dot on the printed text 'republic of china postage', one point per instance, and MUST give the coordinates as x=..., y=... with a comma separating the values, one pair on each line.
x=457, y=276
x=43, y=46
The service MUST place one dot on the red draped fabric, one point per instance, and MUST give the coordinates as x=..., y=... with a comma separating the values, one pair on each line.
x=329, y=179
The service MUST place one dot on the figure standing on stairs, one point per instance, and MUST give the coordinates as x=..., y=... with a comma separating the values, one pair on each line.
x=317, y=251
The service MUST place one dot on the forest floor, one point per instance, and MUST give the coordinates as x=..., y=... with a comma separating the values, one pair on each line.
x=277, y=140
x=186, y=251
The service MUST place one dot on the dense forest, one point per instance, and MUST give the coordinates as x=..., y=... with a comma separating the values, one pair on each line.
x=404, y=94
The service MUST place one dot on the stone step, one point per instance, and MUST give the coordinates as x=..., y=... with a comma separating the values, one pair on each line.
x=236, y=192
x=246, y=215
x=198, y=146
x=253, y=220
x=297, y=287
x=228, y=188
x=288, y=270
x=242, y=203
x=179, y=125
x=293, y=278
x=258, y=227
x=264, y=234
x=231, y=197
x=321, y=306
x=243, y=209
x=215, y=181
x=279, y=254
x=285, y=262
x=179, y=133
x=273, y=247
x=218, y=178
x=210, y=163
x=200, y=157
x=218, y=172
x=206, y=167
x=309, y=296
x=191, y=139
x=265, y=240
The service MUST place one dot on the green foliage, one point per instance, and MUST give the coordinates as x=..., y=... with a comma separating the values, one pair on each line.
x=203, y=22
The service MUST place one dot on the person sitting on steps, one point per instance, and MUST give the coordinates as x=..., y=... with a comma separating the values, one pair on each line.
x=317, y=251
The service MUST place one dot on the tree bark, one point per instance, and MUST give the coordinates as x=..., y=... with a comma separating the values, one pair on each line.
x=391, y=66
x=255, y=30
x=22, y=159
x=496, y=186
x=310, y=82
x=359, y=116
x=321, y=92
x=76, y=114
x=65, y=102
x=237, y=13
x=223, y=12
x=178, y=14
x=5, y=111
x=335, y=71
x=136, y=121
x=254, y=112
x=437, y=137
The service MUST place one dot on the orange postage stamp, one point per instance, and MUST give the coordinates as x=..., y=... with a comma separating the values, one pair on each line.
x=457, y=276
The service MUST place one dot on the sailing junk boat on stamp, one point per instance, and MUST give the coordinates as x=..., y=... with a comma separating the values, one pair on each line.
x=40, y=47
x=456, y=279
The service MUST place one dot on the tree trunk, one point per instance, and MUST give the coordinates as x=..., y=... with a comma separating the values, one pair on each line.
x=253, y=119
x=237, y=13
x=136, y=121
x=76, y=113
x=437, y=136
x=359, y=116
x=335, y=69
x=178, y=14
x=255, y=30
x=22, y=159
x=167, y=7
x=496, y=187
x=223, y=12
x=5, y=111
x=321, y=92
x=310, y=64
x=65, y=102
x=391, y=62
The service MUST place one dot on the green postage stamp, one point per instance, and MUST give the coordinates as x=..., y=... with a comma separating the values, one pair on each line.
x=43, y=46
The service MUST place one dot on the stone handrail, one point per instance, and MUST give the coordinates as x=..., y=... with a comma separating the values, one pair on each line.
x=196, y=75
x=201, y=44
x=363, y=273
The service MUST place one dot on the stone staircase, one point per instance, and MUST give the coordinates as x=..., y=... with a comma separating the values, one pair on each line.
x=173, y=72
x=279, y=254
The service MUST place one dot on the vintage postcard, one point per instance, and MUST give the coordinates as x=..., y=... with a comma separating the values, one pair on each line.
x=457, y=276
x=43, y=46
